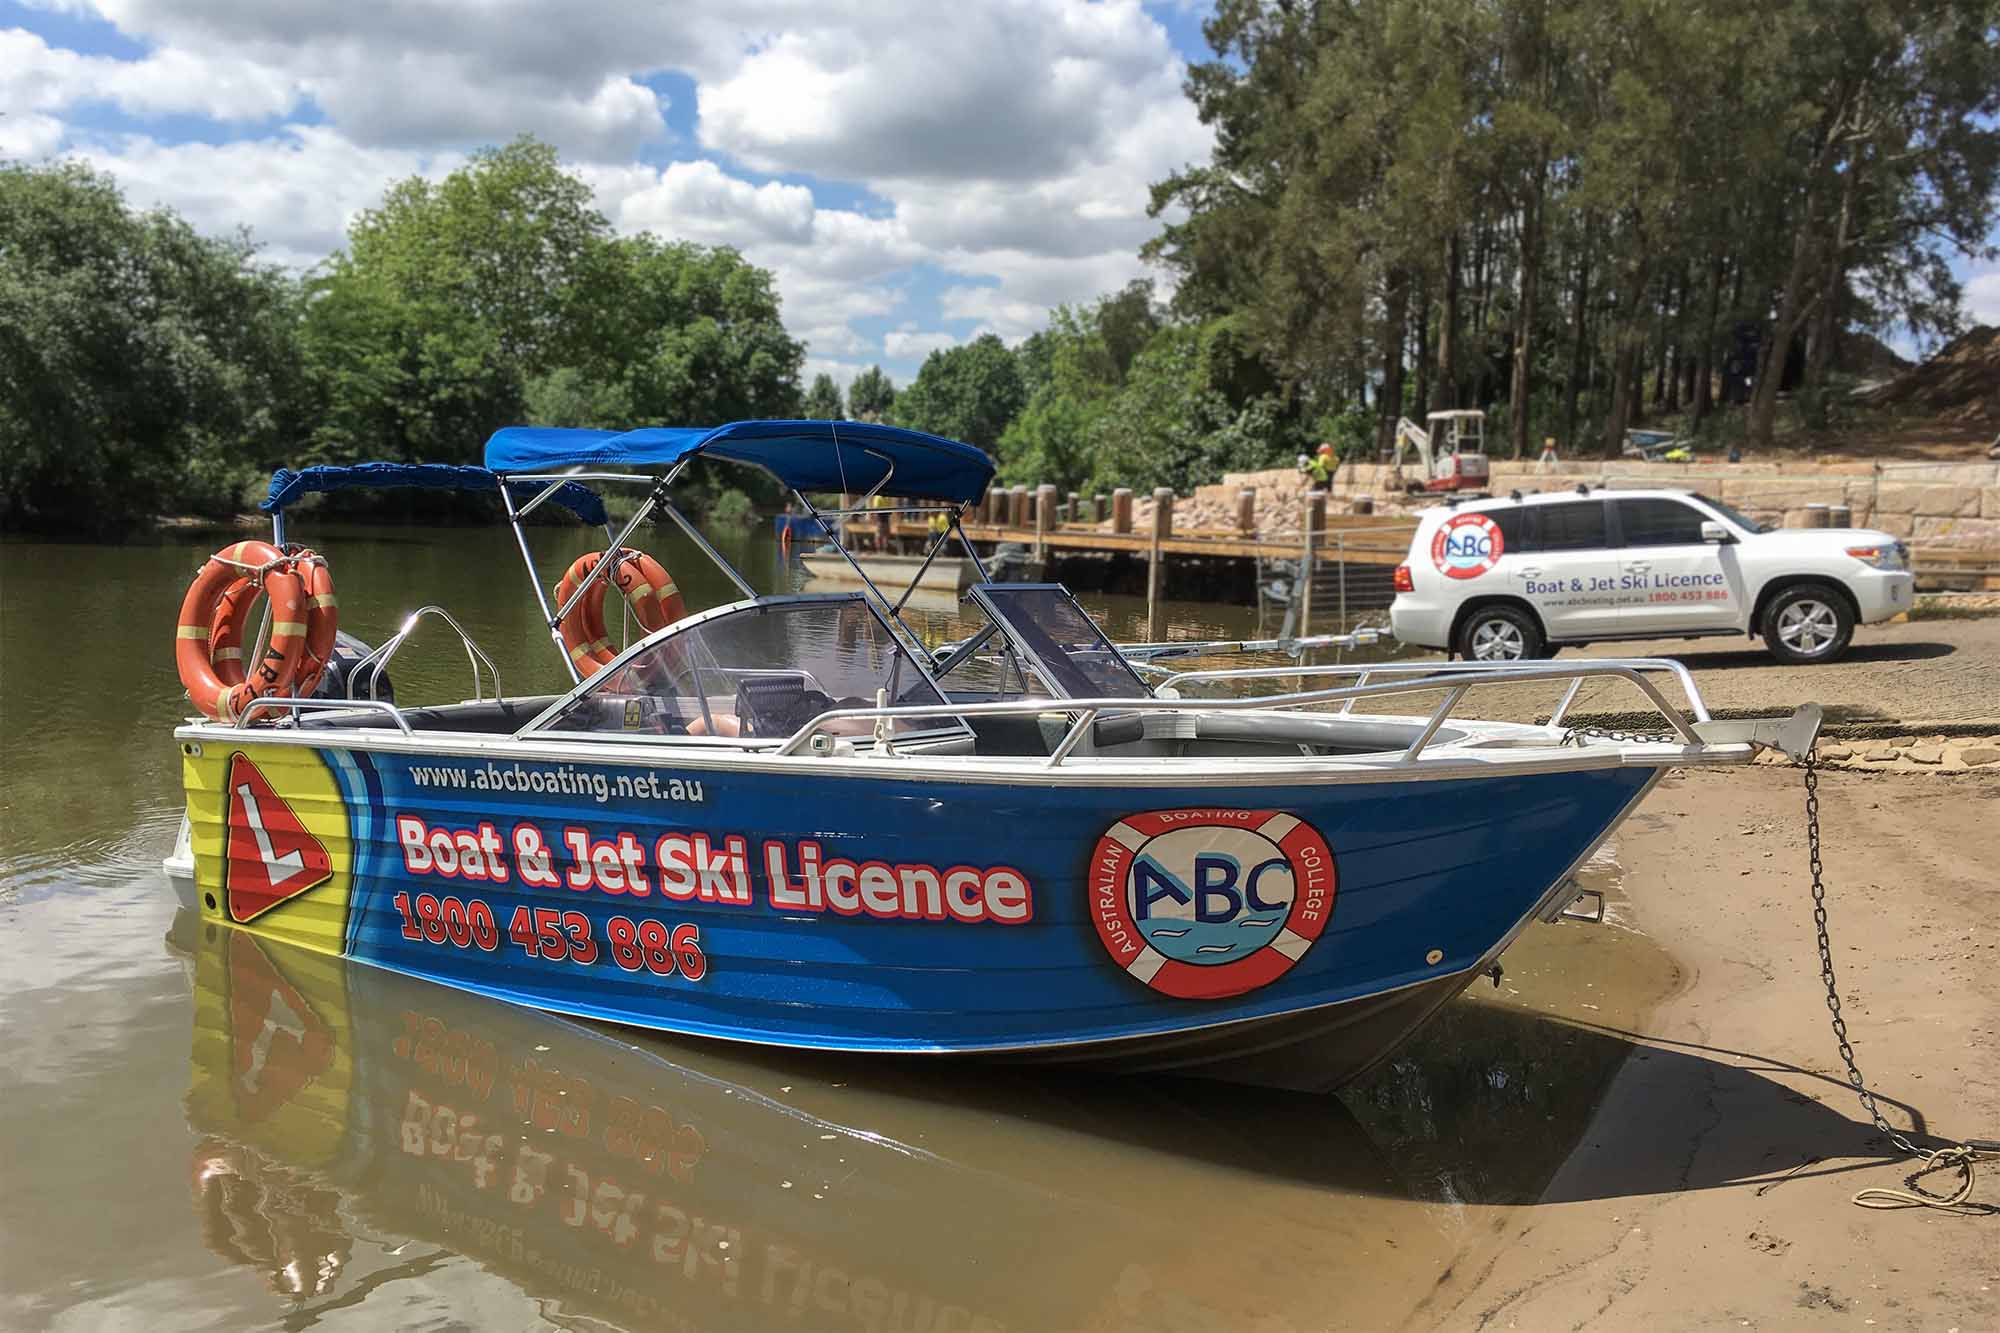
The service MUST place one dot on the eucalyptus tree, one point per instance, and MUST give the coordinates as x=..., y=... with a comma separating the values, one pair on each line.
x=823, y=401
x=1885, y=152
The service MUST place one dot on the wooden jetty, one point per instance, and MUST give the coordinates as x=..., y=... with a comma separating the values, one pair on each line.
x=1042, y=521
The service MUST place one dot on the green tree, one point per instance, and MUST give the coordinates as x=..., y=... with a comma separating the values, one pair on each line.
x=703, y=338
x=1886, y=142
x=142, y=366
x=1182, y=416
x=968, y=392
x=1069, y=374
x=823, y=400
x=500, y=294
x=510, y=239
x=871, y=395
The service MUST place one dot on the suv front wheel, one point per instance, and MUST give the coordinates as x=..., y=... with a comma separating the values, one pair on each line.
x=1500, y=633
x=1807, y=624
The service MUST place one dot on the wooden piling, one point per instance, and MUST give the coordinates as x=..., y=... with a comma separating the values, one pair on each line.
x=1073, y=510
x=1100, y=507
x=1121, y=509
x=1017, y=507
x=1312, y=524
x=1045, y=518
x=1156, y=561
x=1246, y=511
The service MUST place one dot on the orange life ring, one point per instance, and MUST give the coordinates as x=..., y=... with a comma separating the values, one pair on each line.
x=322, y=620
x=214, y=611
x=647, y=587
x=225, y=645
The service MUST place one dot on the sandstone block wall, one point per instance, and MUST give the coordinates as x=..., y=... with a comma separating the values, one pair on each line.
x=1943, y=504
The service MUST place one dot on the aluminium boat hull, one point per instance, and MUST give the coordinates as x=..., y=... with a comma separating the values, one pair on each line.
x=1291, y=932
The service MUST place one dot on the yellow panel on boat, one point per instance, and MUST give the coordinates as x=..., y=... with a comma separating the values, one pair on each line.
x=269, y=830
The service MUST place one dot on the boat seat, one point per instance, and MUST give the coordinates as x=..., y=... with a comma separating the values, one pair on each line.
x=492, y=717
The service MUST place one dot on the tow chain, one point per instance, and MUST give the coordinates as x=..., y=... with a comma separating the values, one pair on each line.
x=1960, y=1156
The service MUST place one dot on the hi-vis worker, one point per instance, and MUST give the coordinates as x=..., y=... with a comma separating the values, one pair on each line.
x=1319, y=468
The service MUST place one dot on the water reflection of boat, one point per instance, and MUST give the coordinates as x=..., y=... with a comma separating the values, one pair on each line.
x=652, y=1183
x=791, y=821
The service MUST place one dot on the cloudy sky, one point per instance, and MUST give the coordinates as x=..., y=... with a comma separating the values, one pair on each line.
x=915, y=173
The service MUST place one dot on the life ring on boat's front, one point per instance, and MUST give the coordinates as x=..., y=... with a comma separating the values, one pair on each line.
x=649, y=590
x=322, y=618
x=208, y=642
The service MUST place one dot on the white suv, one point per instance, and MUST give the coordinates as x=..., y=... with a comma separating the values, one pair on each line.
x=1512, y=578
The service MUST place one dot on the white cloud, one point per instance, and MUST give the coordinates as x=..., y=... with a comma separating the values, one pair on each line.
x=916, y=344
x=995, y=310
x=37, y=76
x=833, y=340
x=701, y=202
x=1007, y=92
x=296, y=190
x=29, y=137
x=1982, y=297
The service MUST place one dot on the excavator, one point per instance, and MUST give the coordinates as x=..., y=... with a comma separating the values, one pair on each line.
x=1450, y=451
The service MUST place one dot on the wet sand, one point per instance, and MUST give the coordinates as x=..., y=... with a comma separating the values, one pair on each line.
x=1712, y=1188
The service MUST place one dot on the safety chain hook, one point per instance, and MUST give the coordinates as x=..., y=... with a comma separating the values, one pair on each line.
x=1963, y=1155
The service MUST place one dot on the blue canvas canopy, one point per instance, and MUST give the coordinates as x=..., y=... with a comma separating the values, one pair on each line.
x=288, y=485
x=805, y=455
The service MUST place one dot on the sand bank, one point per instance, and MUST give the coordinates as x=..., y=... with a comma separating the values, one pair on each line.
x=1712, y=1189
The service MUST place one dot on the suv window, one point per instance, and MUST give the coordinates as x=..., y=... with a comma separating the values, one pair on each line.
x=1659, y=523
x=1577, y=525
x=1513, y=527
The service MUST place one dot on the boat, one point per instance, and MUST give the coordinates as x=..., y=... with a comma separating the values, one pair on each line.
x=935, y=575
x=791, y=820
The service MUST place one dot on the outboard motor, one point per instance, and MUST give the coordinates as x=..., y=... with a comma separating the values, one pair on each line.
x=348, y=653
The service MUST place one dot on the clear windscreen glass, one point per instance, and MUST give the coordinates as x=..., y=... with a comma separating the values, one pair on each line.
x=759, y=672
x=1063, y=642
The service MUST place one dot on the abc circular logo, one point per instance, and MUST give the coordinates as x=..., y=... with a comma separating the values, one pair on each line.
x=1202, y=904
x=1466, y=546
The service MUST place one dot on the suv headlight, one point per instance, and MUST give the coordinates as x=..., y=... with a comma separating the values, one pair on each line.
x=1888, y=556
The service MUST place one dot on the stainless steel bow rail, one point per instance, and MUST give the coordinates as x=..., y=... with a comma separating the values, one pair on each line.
x=378, y=661
x=277, y=704
x=1455, y=679
x=1365, y=672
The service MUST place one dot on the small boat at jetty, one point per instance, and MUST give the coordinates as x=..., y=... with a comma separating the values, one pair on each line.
x=792, y=820
x=864, y=568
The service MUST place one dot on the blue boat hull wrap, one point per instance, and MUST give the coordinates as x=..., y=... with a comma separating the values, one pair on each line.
x=871, y=914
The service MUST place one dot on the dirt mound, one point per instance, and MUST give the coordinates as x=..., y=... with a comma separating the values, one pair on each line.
x=1860, y=353
x=1960, y=383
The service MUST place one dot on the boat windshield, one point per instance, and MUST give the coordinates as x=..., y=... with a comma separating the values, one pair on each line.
x=1060, y=640
x=763, y=671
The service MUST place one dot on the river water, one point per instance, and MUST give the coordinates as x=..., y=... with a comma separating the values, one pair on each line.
x=205, y=1130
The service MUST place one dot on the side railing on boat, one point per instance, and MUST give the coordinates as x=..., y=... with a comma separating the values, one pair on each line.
x=1365, y=671
x=377, y=662
x=277, y=703
x=1456, y=679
